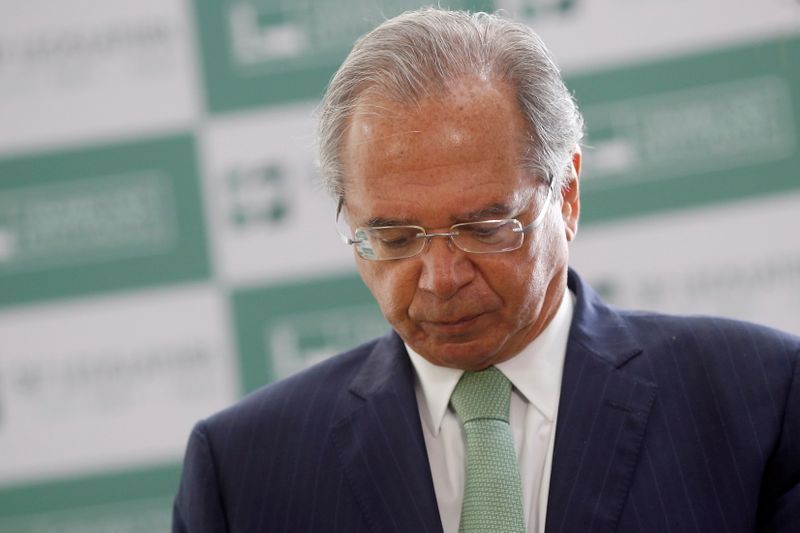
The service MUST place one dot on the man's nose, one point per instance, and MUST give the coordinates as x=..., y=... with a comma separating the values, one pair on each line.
x=445, y=268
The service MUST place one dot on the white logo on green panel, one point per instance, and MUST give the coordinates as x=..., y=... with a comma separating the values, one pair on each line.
x=680, y=133
x=265, y=33
x=86, y=221
x=530, y=9
x=299, y=341
x=272, y=35
x=264, y=52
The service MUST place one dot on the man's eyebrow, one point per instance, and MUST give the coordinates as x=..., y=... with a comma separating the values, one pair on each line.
x=499, y=210
x=375, y=222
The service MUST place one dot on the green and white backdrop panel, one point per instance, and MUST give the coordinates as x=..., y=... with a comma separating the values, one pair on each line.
x=165, y=246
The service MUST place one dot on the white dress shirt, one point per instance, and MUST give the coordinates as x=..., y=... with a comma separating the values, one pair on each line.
x=535, y=374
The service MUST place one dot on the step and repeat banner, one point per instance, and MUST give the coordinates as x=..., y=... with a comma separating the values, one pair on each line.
x=165, y=246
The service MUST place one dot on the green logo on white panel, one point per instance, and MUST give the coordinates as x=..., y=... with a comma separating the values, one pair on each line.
x=86, y=221
x=703, y=129
x=80, y=72
x=65, y=56
x=100, y=382
x=257, y=195
x=84, y=378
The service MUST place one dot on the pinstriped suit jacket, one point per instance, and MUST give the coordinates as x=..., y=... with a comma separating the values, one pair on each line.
x=666, y=424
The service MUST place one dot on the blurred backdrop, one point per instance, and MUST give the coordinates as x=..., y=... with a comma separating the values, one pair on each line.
x=165, y=246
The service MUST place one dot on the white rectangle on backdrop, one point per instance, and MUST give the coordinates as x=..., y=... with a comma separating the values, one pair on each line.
x=740, y=260
x=113, y=382
x=88, y=70
x=269, y=216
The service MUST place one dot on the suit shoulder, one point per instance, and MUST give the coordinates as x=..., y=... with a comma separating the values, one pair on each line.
x=701, y=325
x=697, y=338
x=320, y=387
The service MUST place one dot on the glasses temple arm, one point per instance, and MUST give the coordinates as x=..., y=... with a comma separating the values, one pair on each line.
x=540, y=217
x=347, y=240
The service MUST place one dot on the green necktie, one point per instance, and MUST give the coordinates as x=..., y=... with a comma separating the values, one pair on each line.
x=492, y=490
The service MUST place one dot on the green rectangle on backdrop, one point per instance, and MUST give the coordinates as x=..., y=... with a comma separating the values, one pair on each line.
x=133, y=502
x=687, y=131
x=264, y=52
x=109, y=217
x=284, y=328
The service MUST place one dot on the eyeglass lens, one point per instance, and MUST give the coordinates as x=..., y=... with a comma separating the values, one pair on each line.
x=396, y=242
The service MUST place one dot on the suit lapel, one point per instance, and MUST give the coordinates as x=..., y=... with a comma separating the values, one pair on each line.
x=380, y=444
x=602, y=418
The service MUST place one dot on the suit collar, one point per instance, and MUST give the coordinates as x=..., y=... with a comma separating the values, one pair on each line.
x=384, y=370
x=598, y=328
x=379, y=441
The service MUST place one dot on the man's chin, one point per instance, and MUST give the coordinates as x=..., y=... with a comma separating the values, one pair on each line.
x=466, y=354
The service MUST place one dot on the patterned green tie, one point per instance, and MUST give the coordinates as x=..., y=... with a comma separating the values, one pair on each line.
x=493, y=490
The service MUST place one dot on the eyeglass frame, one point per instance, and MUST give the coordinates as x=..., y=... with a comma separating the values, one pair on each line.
x=450, y=233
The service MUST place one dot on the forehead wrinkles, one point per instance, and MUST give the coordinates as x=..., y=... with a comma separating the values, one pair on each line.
x=376, y=126
x=366, y=136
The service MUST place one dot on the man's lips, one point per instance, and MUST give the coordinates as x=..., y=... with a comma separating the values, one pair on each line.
x=449, y=322
x=452, y=326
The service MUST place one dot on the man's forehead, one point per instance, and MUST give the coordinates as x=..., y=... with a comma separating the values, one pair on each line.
x=450, y=158
x=451, y=112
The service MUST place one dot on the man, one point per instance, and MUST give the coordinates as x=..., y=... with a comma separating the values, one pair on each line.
x=452, y=145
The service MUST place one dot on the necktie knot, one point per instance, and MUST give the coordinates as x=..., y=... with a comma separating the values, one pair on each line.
x=484, y=394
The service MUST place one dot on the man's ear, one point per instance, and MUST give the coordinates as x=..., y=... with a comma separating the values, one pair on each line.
x=571, y=197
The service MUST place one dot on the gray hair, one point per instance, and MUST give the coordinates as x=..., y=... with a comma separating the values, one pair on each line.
x=425, y=52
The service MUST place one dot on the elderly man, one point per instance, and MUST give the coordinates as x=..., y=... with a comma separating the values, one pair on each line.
x=508, y=397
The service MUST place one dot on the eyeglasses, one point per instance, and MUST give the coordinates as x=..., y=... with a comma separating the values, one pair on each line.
x=385, y=243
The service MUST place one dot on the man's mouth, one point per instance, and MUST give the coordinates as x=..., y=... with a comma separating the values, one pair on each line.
x=454, y=326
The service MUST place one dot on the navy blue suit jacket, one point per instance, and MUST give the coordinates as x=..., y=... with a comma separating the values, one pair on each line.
x=665, y=424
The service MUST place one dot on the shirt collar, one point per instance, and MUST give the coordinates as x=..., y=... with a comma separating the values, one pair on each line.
x=535, y=372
